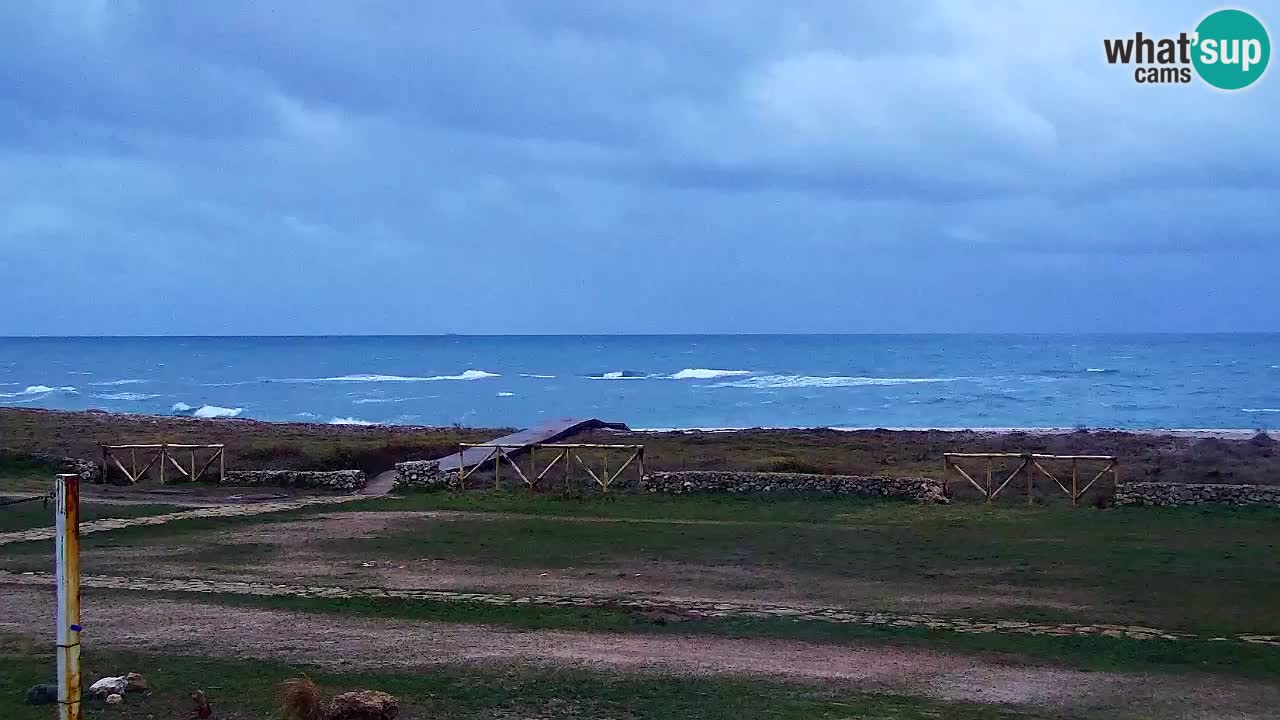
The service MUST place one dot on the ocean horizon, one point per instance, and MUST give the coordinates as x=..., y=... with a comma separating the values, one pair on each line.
x=1005, y=380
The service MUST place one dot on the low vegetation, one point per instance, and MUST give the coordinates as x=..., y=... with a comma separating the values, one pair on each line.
x=247, y=689
x=35, y=514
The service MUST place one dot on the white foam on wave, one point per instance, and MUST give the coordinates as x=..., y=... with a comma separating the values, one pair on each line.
x=464, y=375
x=349, y=421
x=535, y=375
x=216, y=411
x=41, y=390
x=706, y=374
x=1101, y=370
x=1260, y=410
x=506, y=394
x=125, y=396
x=127, y=381
x=181, y=407
x=369, y=401
x=618, y=375
x=826, y=381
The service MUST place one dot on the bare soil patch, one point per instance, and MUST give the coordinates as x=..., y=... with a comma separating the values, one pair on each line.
x=303, y=550
x=342, y=643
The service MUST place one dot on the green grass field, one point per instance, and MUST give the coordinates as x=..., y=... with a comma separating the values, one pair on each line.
x=36, y=514
x=1210, y=570
x=244, y=689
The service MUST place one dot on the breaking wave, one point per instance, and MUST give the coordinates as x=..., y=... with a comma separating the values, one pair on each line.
x=465, y=375
x=216, y=411
x=506, y=394
x=127, y=381
x=825, y=381
x=125, y=396
x=349, y=421
x=705, y=374
x=181, y=407
x=34, y=390
x=619, y=375
x=1260, y=410
x=535, y=375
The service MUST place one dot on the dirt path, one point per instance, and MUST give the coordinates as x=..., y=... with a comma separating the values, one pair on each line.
x=108, y=524
x=130, y=622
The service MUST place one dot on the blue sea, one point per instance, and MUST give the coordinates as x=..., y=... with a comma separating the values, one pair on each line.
x=680, y=381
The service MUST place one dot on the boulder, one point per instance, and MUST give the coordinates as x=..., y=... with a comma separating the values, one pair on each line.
x=113, y=685
x=363, y=705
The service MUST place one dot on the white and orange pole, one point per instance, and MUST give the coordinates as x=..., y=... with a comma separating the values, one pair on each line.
x=67, y=551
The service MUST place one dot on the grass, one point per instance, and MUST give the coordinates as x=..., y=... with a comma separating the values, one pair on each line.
x=239, y=689
x=250, y=444
x=1212, y=570
x=1209, y=571
x=1083, y=653
x=36, y=515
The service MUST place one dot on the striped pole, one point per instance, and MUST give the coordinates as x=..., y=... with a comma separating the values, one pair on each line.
x=68, y=573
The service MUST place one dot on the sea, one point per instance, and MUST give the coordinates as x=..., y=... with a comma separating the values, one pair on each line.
x=665, y=381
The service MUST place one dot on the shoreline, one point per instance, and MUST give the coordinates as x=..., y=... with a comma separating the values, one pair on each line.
x=1189, y=455
x=1224, y=433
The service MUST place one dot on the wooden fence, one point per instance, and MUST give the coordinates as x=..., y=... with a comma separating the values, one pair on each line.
x=161, y=455
x=1028, y=468
x=562, y=454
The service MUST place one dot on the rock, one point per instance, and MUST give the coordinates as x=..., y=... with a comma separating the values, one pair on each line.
x=135, y=682
x=363, y=705
x=423, y=475
x=1167, y=494
x=200, y=705
x=43, y=694
x=115, y=699
x=337, y=480
x=919, y=489
x=109, y=686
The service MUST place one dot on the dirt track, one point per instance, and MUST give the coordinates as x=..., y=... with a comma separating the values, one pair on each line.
x=129, y=622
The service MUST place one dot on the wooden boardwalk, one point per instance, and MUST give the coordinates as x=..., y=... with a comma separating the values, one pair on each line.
x=549, y=431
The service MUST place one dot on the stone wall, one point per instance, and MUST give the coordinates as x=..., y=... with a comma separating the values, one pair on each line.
x=88, y=470
x=1172, y=494
x=337, y=480
x=422, y=475
x=919, y=489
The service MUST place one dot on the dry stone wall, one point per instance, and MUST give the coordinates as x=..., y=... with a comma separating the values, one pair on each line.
x=918, y=489
x=1175, y=494
x=336, y=480
x=88, y=470
x=422, y=475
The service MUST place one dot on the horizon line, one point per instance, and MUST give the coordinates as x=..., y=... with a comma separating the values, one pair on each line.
x=637, y=334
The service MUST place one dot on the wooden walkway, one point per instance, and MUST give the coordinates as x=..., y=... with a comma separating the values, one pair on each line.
x=549, y=431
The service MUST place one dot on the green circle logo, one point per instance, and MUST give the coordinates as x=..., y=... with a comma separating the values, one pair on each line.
x=1232, y=49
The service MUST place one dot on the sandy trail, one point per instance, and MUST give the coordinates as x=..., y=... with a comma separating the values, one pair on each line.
x=350, y=643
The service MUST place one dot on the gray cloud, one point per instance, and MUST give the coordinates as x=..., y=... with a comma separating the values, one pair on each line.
x=239, y=167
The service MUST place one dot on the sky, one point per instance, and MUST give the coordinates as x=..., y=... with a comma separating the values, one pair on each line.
x=575, y=166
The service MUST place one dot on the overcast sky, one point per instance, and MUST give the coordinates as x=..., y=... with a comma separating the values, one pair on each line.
x=541, y=167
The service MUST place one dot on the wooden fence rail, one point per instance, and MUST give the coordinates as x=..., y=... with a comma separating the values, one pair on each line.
x=564, y=455
x=1029, y=467
x=162, y=455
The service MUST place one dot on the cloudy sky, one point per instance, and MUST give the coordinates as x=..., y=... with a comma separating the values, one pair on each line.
x=624, y=166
